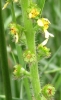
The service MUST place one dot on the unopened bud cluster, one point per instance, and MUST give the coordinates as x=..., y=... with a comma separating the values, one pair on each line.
x=48, y=91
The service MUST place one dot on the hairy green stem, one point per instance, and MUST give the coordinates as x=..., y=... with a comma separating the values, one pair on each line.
x=28, y=26
x=20, y=57
x=30, y=36
x=3, y=53
x=25, y=81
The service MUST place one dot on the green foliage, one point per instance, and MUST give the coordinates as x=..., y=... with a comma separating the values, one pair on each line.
x=49, y=68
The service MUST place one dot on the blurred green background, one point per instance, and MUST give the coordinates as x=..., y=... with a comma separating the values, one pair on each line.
x=50, y=68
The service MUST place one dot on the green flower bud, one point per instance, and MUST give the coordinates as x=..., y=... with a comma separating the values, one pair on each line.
x=29, y=56
x=48, y=91
x=19, y=71
x=42, y=51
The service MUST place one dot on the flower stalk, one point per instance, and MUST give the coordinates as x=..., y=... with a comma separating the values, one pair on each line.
x=20, y=58
x=30, y=36
x=31, y=54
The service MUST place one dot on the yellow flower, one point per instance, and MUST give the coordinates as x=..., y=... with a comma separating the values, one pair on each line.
x=15, y=34
x=5, y=5
x=13, y=30
x=44, y=23
x=33, y=13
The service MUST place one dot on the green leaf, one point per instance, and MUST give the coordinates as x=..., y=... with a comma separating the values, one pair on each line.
x=3, y=97
x=41, y=4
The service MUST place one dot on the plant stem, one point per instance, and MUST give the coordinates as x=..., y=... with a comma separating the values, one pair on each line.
x=13, y=98
x=3, y=53
x=25, y=82
x=12, y=11
x=20, y=57
x=30, y=36
x=19, y=53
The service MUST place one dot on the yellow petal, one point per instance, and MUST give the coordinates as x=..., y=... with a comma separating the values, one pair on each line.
x=46, y=23
x=33, y=13
x=40, y=23
x=30, y=15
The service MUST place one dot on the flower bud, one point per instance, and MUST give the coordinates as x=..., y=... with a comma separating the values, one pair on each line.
x=42, y=51
x=29, y=56
x=20, y=71
x=48, y=91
